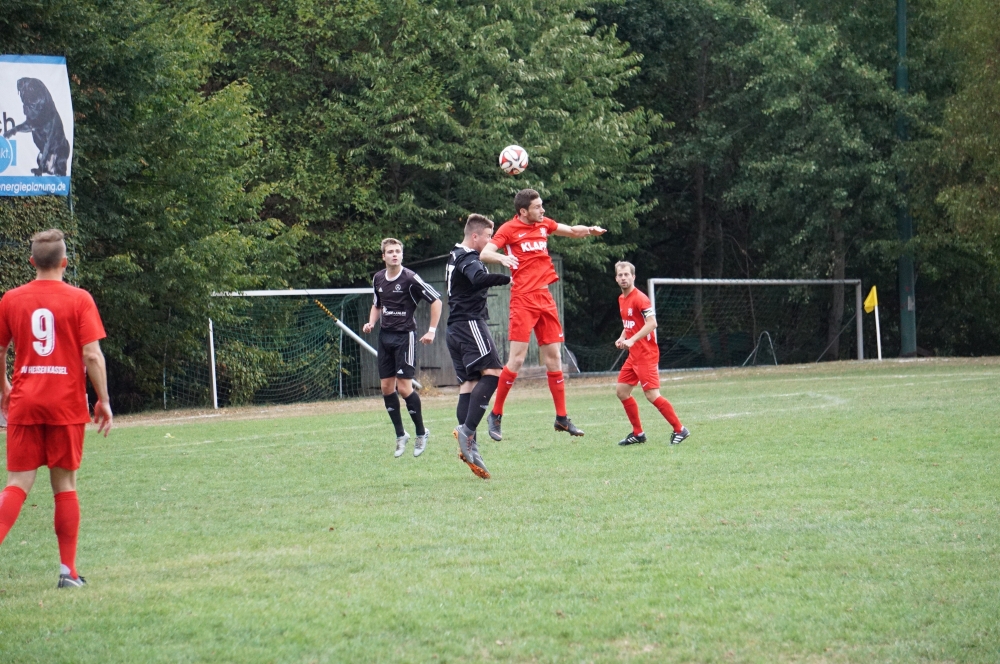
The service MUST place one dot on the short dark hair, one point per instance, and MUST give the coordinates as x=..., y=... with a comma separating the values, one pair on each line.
x=523, y=198
x=390, y=240
x=48, y=248
x=477, y=223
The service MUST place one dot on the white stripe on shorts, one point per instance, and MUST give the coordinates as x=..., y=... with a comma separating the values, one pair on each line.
x=478, y=336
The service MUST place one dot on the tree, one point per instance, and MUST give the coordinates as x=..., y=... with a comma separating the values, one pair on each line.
x=160, y=176
x=374, y=127
x=820, y=165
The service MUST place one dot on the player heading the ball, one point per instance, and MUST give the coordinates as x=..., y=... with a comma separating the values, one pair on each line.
x=532, y=308
x=56, y=331
x=472, y=350
x=642, y=366
x=397, y=290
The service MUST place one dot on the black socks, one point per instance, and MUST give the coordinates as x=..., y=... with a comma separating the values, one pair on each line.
x=463, y=407
x=392, y=407
x=479, y=401
x=413, y=405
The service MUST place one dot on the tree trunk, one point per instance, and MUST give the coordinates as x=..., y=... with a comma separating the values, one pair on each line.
x=719, y=315
x=699, y=252
x=836, y=319
x=702, y=216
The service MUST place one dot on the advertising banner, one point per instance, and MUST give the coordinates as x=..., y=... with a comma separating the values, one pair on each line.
x=36, y=126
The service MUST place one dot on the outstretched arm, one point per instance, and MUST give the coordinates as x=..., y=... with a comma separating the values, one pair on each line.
x=480, y=277
x=578, y=231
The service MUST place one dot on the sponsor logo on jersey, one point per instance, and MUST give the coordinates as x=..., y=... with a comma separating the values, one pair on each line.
x=386, y=311
x=43, y=370
x=629, y=324
x=540, y=245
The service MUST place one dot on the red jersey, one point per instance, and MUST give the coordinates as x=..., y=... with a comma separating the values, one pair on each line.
x=529, y=244
x=634, y=308
x=50, y=322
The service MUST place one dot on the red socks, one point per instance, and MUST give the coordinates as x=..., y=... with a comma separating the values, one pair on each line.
x=507, y=378
x=557, y=386
x=632, y=410
x=67, y=528
x=67, y=520
x=667, y=411
x=11, y=500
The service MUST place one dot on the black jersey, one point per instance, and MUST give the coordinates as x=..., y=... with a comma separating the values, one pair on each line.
x=398, y=298
x=468, y=280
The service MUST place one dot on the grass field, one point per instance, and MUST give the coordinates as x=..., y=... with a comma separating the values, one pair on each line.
x=828, y=513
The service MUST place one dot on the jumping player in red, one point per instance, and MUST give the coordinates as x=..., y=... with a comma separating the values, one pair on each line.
x=56, y=332
x=642, y=365
x=531, y=305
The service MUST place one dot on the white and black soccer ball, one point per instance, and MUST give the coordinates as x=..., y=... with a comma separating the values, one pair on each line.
x=513, y=159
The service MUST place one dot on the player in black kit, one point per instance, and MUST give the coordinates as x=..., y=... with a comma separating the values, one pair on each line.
x=397, y=292
x=470, y=345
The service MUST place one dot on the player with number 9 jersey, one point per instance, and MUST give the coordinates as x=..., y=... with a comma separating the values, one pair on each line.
x=56, y=332
x=49, y=322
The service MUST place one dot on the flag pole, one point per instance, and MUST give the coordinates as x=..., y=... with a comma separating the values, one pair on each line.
x=878, y=334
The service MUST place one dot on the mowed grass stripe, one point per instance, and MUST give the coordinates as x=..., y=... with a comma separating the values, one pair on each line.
x=849, y=518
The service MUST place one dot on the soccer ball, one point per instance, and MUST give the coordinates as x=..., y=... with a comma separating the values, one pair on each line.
x=513, y=159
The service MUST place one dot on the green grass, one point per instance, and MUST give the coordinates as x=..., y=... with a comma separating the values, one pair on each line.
x=834, y=513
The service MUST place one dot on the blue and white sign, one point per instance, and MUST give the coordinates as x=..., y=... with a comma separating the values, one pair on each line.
x=36, y=126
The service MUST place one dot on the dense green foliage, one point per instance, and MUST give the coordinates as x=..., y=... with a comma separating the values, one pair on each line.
x=224, y=144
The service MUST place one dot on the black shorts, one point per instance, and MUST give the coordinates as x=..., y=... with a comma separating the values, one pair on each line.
x=472, y=349
x=397, y=354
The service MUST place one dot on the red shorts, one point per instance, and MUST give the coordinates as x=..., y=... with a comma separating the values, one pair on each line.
x=30, y=446
x=644, y=374
x=536, y=311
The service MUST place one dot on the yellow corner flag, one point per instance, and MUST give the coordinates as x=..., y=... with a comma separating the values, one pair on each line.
x=871, y=301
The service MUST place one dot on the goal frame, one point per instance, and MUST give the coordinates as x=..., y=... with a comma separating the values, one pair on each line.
x=307, y=292
x=659, y=281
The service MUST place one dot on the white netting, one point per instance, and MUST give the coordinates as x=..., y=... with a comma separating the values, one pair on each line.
x=279, y=349
x=740, y=324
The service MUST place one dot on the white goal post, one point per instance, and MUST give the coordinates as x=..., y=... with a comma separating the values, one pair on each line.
x=652, y=283
x=311, y=293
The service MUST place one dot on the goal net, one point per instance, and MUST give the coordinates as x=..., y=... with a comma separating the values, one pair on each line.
x=746, y=322
x=278, y=347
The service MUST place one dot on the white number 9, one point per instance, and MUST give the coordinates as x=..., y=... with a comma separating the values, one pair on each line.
x=43, y=326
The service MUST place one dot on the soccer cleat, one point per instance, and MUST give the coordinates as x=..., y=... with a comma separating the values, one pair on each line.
x=493, y=425
x=468, y=452
x=421, y=442
x=565, y=424
x=677, y=436
x=401, y=444
x=633, y=439
x=67, y=581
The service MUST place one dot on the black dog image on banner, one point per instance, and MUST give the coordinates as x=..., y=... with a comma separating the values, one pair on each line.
x=42, y=119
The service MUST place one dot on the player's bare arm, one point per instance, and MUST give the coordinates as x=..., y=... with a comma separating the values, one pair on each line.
x=578, y=231
x=490, y=254
x=643, y=332
x=428, y=338
x=93, y=358
x=5, y=386
x=372, y=319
